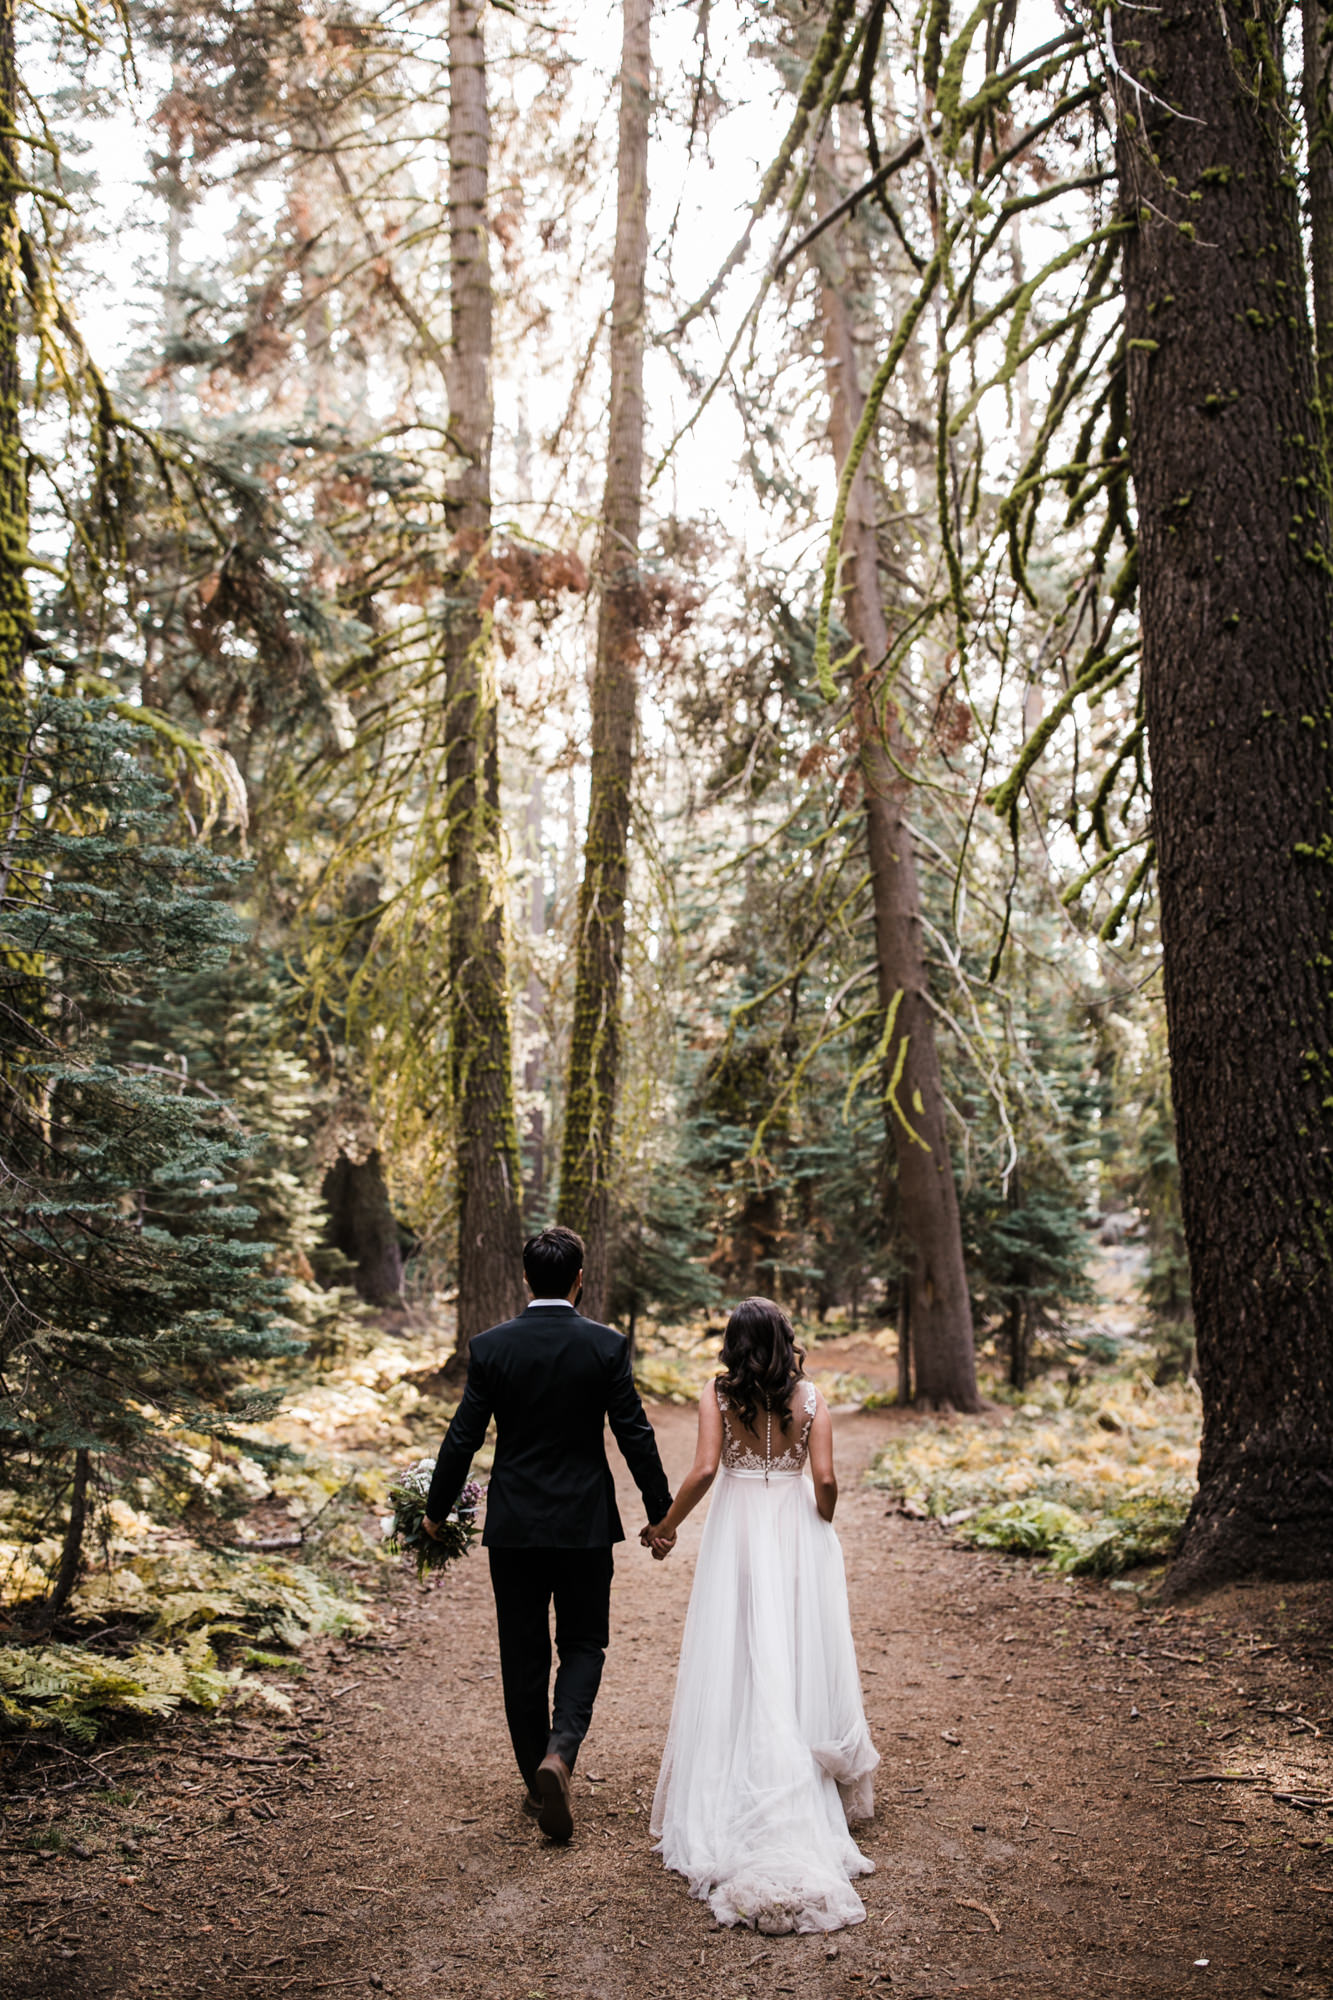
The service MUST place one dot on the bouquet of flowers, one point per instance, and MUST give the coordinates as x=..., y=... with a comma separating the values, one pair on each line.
x=404, y=1534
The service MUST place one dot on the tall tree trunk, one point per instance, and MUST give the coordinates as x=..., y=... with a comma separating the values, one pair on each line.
x=20, y=987
x=534, y=1069
x=904, y=1339
x=71, y=1552
x=1238, y=689
x=171, y=184
x=594, y=1056
x=488, y=1178
x=15, y=610
x=939, y=1311
x=1018, y=1339
x=1317, y=96
x=363, y=1226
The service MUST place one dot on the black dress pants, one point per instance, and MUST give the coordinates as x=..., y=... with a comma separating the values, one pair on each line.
x=525, y=1581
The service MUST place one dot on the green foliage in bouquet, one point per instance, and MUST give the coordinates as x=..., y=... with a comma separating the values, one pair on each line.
x=405, y=1534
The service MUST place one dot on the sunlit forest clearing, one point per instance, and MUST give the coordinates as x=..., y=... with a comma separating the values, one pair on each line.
x=711, y=622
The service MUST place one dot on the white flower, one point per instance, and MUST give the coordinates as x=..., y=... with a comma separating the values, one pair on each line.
x=417, y=1477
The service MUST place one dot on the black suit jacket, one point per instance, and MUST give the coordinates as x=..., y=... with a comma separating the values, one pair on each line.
x=550, y=1378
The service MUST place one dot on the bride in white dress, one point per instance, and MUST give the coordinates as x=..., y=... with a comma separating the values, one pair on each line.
x=768, y=1755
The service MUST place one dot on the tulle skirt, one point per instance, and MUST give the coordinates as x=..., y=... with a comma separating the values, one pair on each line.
x=768, y=1755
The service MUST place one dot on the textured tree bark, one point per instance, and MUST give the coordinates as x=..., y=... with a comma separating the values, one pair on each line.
x=938, y=1307
x=1018, y=1340
x=71, y=1552
x=594, y=1056
x=904, y=1340
x=15, y=611
x=534, y=1069
x=488, y=1181
x=20, y=989
x=1238, y=689
x=363, y=1226
x=1317, y=99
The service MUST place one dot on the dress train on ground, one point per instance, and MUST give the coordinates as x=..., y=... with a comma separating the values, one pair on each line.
x=768, y=1756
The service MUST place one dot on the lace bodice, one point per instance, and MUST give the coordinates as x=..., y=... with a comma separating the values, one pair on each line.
x=739, y=1455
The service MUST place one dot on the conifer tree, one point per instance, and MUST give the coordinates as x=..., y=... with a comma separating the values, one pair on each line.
x=1237, y=621
x=1317, y=104
x=594, y=1056
x=14, y=609
x=133, y=1287
x=135, y=1292
x=936, y=1315
x=488, y=1172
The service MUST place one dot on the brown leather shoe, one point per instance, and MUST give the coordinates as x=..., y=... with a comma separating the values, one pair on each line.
x=556, y=1818
x=532, y=1805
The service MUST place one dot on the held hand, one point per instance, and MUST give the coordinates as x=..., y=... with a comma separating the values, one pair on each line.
x=431, y=1528
x=659, y=1542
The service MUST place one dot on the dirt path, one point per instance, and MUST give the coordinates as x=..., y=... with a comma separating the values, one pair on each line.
x=1042, y=1826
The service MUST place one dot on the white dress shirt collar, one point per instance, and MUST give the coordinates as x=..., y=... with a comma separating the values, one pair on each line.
x=550, y=1302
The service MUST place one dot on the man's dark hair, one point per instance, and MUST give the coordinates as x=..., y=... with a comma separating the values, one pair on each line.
x=552, y=1260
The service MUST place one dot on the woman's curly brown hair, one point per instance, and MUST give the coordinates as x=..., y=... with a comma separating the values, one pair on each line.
x=761, y=1360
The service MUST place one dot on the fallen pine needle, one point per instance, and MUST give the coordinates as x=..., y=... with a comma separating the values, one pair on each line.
x=243, y=1757
x=966, y=1903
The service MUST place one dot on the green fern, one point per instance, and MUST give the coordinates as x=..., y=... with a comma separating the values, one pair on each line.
x=78, y=1692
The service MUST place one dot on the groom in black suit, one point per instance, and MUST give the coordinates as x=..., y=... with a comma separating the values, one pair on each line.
x=550, y=1378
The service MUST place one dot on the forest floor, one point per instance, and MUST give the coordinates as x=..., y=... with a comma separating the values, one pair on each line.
x=1080, y=1795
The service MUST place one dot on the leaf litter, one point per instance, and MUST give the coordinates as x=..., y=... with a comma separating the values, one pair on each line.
x=1097, y=1479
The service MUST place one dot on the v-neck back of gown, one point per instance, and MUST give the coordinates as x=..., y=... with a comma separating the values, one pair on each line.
x=750, y=1448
